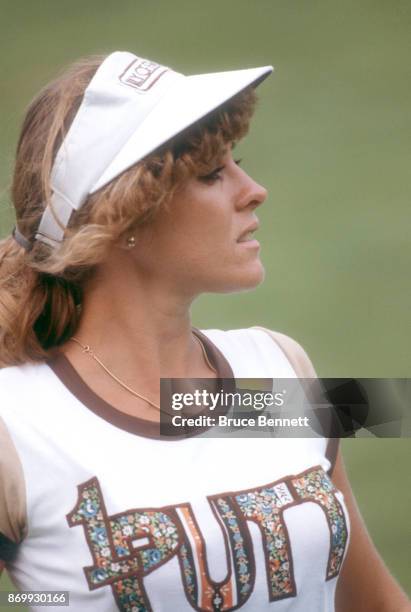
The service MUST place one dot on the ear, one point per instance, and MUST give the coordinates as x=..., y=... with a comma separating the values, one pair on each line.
x=127, y=242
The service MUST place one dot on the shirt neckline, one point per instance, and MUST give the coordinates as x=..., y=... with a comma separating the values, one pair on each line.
x=72, y=380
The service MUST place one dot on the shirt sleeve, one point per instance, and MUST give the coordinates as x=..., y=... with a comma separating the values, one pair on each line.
x=304, y=368
x=13, y=512
x=294, y=352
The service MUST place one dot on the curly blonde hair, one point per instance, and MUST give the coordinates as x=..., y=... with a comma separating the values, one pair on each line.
x=41, y=289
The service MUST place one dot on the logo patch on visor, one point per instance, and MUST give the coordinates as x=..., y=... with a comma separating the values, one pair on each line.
x=142, y=74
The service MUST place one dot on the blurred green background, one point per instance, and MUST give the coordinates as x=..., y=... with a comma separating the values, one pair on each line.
x=331, y=142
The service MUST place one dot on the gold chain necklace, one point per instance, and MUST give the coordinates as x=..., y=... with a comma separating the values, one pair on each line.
x=87, y=349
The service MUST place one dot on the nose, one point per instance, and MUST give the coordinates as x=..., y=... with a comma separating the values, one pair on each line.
x=252, y=194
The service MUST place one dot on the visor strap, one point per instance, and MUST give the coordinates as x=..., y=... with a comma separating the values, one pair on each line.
x=20, y=239
x=54, y=220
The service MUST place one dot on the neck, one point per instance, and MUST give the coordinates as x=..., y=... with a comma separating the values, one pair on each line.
x=139, y=328
x=137, y=322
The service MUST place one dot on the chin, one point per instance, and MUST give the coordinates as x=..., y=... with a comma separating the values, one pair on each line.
x=247, y=278
x=252, y=280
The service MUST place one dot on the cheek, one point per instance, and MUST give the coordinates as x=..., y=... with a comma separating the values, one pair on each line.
x=174, y=249
x=204, y=234
x=193, y=239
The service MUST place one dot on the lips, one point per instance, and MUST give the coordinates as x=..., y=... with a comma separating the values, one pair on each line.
x=247, y=234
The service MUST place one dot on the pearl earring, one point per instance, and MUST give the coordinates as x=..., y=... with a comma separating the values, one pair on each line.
x=131, y=242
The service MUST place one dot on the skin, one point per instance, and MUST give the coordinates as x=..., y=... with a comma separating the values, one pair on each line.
x=136, y=310
x=365, y=583
x=136, y=316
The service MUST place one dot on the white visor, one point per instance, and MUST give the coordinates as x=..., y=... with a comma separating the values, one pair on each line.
x=130, y=108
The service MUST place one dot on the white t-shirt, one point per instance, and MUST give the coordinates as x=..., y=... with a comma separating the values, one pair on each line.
x=100, y=506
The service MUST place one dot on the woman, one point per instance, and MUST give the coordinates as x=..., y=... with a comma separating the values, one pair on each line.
x=130, y=204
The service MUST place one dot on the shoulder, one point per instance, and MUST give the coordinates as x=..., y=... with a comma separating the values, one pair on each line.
x=25, y=390
x=279, y=352
x=20, y=378
x=12, y=375
x=304, y=368
x=14, y=381
x=294, y=352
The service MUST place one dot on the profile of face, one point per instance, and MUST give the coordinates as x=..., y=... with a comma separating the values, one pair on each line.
x=203, y=240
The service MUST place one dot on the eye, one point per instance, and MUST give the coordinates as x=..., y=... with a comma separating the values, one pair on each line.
x=215, y=175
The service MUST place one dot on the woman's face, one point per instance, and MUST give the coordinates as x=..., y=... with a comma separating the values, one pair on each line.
x=203, y=241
